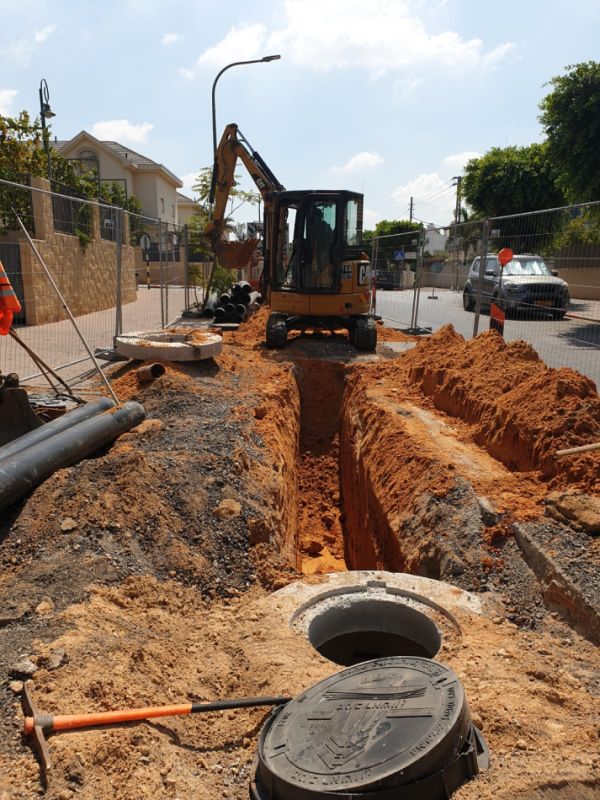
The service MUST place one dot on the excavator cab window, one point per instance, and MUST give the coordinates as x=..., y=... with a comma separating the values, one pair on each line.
x=287, y=259
x=352, y=232
x=317, y=246
x=326, y=228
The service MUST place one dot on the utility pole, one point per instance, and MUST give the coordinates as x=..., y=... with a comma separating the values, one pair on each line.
x=458, y=179
x=411, y=210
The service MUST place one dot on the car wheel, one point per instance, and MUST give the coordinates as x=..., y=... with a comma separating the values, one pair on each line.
x=468, y=302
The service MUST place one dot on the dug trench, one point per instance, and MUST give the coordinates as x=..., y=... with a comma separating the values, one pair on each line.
x=146, y=575
x=384, y=483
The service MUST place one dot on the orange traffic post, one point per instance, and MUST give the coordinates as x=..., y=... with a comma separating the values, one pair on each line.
x=9, y=302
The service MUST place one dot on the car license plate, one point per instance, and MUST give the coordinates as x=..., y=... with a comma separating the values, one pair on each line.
x=545, y=303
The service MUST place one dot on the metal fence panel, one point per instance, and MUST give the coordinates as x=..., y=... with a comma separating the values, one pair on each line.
x=102, y=275
x=559, y=315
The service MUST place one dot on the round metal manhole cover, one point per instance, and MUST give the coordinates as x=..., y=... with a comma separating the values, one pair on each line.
x=378, y=725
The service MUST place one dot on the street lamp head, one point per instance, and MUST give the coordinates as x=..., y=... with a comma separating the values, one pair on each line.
x=270, y=58
x=47, y=112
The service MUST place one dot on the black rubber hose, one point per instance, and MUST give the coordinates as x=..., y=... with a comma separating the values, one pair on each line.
x=56, y=426
x=26, y=469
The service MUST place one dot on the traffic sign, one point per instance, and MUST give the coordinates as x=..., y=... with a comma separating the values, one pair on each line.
x=399, y=255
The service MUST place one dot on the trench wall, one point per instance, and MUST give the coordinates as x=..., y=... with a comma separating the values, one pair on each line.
x=393, y=493
x=277, y=420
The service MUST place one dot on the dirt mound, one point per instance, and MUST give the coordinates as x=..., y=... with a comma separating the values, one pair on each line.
x=524, y=410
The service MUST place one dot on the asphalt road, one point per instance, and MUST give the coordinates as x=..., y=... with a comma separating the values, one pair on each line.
x=571, y=342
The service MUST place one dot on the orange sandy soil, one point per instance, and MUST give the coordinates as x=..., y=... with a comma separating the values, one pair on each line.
x=155, y=599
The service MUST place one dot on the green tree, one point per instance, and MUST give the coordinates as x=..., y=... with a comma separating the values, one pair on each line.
x=384, y=258
x=511, y=180
x=571, y=120
x=22, y=155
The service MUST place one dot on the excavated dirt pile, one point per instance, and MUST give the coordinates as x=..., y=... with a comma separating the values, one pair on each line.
x=524, y=410
x=145, y=575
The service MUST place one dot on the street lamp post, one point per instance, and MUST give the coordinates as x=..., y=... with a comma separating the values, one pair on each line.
x=214, y=115
x=46, y=113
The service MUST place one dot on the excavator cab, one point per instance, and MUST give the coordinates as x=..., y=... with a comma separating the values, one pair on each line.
x=319, y=276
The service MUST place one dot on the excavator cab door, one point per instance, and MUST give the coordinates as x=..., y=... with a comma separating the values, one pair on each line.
x=326, y=226
x=318, y=236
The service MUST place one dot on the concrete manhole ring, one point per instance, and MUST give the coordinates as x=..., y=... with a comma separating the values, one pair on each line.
x=165, y=345
x=357, y=616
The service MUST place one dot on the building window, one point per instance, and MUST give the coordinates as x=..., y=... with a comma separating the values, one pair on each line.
x=173, y=210
x=162, y=205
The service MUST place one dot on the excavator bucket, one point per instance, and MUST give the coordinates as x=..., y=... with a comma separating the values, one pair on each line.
x=234, y=255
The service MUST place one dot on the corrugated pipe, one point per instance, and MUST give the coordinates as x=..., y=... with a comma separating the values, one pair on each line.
x=56, y=426
x=27, y=468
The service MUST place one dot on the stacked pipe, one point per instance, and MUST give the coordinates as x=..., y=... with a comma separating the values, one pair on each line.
x=237, y=304
x=30, y=459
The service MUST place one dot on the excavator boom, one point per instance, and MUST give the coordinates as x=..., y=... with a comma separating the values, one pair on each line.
x=234, y=146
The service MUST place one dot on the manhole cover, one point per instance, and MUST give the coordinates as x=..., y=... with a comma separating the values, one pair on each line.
x=366, y=731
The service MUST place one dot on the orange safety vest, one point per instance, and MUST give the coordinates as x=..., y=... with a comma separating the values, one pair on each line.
x=9, y=303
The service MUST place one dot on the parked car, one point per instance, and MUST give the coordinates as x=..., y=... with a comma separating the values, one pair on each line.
x=388, y=279
x=525, y=284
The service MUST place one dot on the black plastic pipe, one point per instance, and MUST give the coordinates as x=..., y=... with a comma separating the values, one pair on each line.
x=56, y=426
x=26, y=469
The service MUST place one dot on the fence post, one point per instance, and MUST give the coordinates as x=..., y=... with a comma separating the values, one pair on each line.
x=418, y=278
x=186, y=270
x=374, y=248
x=161, y=245
x=485, y=232
x=118, y=215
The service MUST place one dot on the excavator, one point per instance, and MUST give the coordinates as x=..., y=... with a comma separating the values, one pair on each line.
x=321, y=280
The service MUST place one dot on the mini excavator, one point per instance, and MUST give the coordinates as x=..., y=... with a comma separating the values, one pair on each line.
x=322, y=278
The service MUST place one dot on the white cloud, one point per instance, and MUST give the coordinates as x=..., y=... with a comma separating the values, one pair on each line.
x=43, y=33
x=188, y=74
x=188, y=180
x=239, y=44
x=121, y=130
x=378, y=36
x=171, y=38
x=6, y=100
x=408, y=85
x=364, y=160
x=433, y=198
x=20, y=50
x=458, y=161
x=370, y=218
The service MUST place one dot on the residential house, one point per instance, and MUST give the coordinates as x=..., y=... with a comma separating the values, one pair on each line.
x=152, y=183
x=186, y=208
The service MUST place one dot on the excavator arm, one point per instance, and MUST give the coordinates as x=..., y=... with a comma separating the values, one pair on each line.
x=234, y=146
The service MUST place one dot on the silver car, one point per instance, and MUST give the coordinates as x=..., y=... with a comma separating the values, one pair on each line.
x=525, y=284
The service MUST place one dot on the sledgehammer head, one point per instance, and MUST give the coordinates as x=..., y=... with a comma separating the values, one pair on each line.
x=34, y=727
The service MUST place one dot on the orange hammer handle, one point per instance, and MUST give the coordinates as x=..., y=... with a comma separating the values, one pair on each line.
x=64, y=722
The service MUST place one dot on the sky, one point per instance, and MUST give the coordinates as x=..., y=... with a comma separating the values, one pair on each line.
x=385, y=97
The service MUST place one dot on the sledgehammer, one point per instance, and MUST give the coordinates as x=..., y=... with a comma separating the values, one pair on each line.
x=39, y=725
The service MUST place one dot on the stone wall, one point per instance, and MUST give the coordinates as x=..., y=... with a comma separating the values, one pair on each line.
x=86, y=276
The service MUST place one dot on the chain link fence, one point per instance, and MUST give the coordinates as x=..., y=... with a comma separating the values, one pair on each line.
x=117, y=272
x=548, y=294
